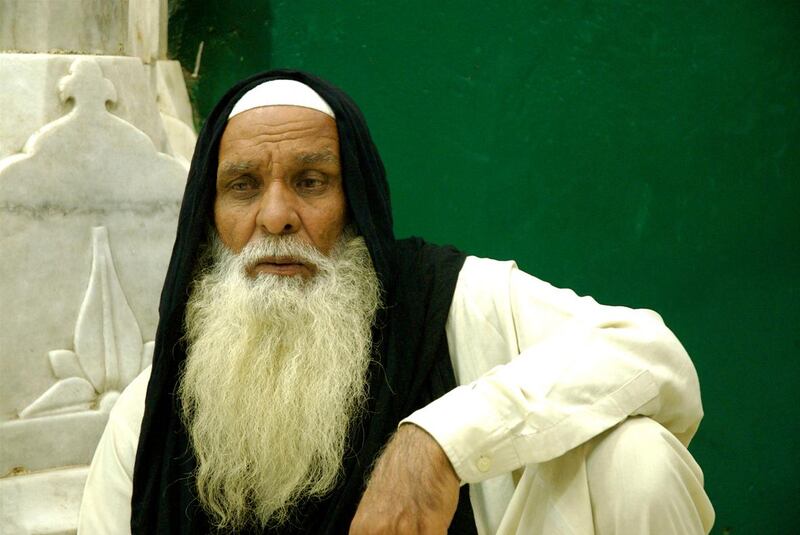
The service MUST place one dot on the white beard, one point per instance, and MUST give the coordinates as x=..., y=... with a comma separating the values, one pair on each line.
x=275, y=373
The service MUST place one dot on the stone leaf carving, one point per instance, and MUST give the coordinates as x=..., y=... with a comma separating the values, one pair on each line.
x=109, y=351
x=107, y=331
x=65, y=364
x=68, y=395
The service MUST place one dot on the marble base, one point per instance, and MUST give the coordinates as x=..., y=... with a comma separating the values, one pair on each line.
x=51, y=441
x=46, y=503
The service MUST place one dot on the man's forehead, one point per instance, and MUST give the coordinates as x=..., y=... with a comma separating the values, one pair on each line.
x=312, y=130
x=307, y=137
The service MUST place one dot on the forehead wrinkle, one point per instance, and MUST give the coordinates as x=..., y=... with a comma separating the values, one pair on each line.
x=290, y=135
x=281, y=125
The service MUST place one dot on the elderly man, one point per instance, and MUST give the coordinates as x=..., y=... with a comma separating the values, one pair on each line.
x=307, y=364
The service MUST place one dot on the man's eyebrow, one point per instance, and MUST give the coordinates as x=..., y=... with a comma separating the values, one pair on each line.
x=323, y=156
x=233, y=168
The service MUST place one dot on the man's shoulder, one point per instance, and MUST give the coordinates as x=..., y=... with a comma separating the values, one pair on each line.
x=479, y=267
x=468, y=274
x=418, y=250
x=484, y=283
x=421, y=263
x=129, y=408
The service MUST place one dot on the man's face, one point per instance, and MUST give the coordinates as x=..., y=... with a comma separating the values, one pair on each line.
x=279, y=174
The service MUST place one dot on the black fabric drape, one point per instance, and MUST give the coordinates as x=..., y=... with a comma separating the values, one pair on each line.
x=411, y=364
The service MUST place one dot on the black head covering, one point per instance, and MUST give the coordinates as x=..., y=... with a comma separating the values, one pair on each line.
x=411, y=364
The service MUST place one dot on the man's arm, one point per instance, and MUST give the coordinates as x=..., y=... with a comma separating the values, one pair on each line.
x=413, y=488
x=106, y=504
x=544, y=371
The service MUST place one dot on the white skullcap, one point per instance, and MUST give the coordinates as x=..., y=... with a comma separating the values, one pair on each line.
x=281, y=93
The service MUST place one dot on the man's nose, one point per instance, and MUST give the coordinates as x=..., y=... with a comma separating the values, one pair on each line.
x=277, y=213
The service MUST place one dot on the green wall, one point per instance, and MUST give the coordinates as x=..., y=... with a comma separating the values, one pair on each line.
x=646, y=153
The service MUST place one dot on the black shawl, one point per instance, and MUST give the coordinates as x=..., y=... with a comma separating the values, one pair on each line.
x=411, y=364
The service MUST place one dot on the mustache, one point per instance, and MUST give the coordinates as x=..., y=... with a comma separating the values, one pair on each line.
x=279, y=249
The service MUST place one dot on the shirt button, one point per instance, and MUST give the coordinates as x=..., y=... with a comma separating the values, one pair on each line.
x=484, y=463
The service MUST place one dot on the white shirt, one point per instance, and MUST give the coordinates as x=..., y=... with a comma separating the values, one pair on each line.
x=541, y=372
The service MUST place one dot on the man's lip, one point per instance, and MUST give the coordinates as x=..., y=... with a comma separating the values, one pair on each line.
x=280, y=260
x=281, y=266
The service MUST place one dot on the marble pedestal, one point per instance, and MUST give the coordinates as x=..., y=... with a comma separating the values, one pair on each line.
x=93, y=160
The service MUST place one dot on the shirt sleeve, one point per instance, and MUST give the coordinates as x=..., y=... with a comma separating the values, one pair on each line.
x=106, y=505
x=543, y=370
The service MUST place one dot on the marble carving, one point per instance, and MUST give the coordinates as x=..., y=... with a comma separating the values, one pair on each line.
x=109, y=352
x=92, y=169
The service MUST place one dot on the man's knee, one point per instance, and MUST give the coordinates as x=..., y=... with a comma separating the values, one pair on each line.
x=641, y=477
x=642, y=457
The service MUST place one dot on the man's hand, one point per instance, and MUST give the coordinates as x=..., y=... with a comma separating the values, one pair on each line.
x=413, y=488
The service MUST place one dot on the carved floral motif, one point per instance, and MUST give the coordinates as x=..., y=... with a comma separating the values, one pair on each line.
x=109, y=351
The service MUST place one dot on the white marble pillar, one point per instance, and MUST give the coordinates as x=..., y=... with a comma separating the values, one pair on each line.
x=95, y=137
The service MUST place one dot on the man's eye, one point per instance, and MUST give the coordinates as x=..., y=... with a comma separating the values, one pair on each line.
x=310, y=183
x=241, y=185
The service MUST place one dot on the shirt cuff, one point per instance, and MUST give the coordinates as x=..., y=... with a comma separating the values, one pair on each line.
x=471, y=432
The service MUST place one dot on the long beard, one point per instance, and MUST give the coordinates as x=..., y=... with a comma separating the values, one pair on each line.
x=275, y=373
